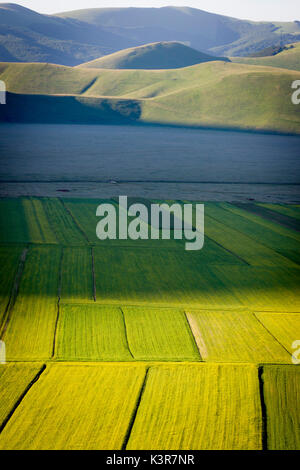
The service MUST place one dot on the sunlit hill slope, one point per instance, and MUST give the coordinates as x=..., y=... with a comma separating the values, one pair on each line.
x=213, y=94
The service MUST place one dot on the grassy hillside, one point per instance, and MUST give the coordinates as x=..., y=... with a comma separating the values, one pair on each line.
x=160, y=55
x=75, y=37
x=287, y=59
x=213, y=94
x=27, y=36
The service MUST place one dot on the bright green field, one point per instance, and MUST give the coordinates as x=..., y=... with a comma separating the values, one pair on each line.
x=199, y=407
x=92, y=333
x=234, y=337
x=91, y=405
x=147, y=346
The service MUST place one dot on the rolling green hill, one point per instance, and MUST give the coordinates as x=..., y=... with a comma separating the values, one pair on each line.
x=159, y=55
x=80, y=36
x=213, y=94
x=287, y=59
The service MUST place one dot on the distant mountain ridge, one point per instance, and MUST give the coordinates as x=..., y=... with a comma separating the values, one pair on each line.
x=27, y=36
x=72, y=38
x=208, y=32
x=156, y=56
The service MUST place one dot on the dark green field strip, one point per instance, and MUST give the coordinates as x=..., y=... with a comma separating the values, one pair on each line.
x=281, y=386
x=284, y=327
x=84, y=212
x=292, y=255
x=76, y=407
x=277, y=217
x=263, y=289
x=159, y=277
x=242, y=245
x=91, y=333
x=159, y=334
x=77, y=275
x=234, y=337
x=236, y=218
x=14, y=379
x=9, y=262
x=258, y=220
x=30, y=330
x=23, y=220
x=64, y=227
x=284, y=209
x=199, y=407
x=13, y=227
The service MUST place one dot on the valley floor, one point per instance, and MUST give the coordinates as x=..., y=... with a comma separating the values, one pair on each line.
x=142, y=345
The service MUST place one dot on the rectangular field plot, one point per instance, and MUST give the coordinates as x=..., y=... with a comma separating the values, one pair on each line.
x=77, y=275
x=64, y=227
x=288, y=210
x=91, y=333
x=258, y=217
x=158, y=277
x=234, y=337
x=84, y=212
x=282, y=400
x=284, y=327
x=277, y=218
x=76, y=407
x=14, y=379
x=199, y=407
x=30, y=330
x=159, y=334
x=263, y=289
x=24, y=220
x=251, y=251
x=267, y=233
x=9, y=262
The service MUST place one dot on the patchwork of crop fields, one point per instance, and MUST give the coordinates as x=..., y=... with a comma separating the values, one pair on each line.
x=142, y=345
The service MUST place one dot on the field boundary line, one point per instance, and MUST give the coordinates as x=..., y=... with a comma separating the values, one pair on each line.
x=135, y=411
x=14, y=292
x=271, y=334
x=125, y=330
x=166, y=306
x=93, y=275
x=223, y=247
x=36, y=217
x=264, y=437
x=49, y=220
x=228, y=251
x=192, y=335
x=58, y=301
x=74, y=220
x=277, y=312
x=21, y=398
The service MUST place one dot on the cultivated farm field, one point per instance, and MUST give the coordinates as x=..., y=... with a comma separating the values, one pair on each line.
x=137, y=345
